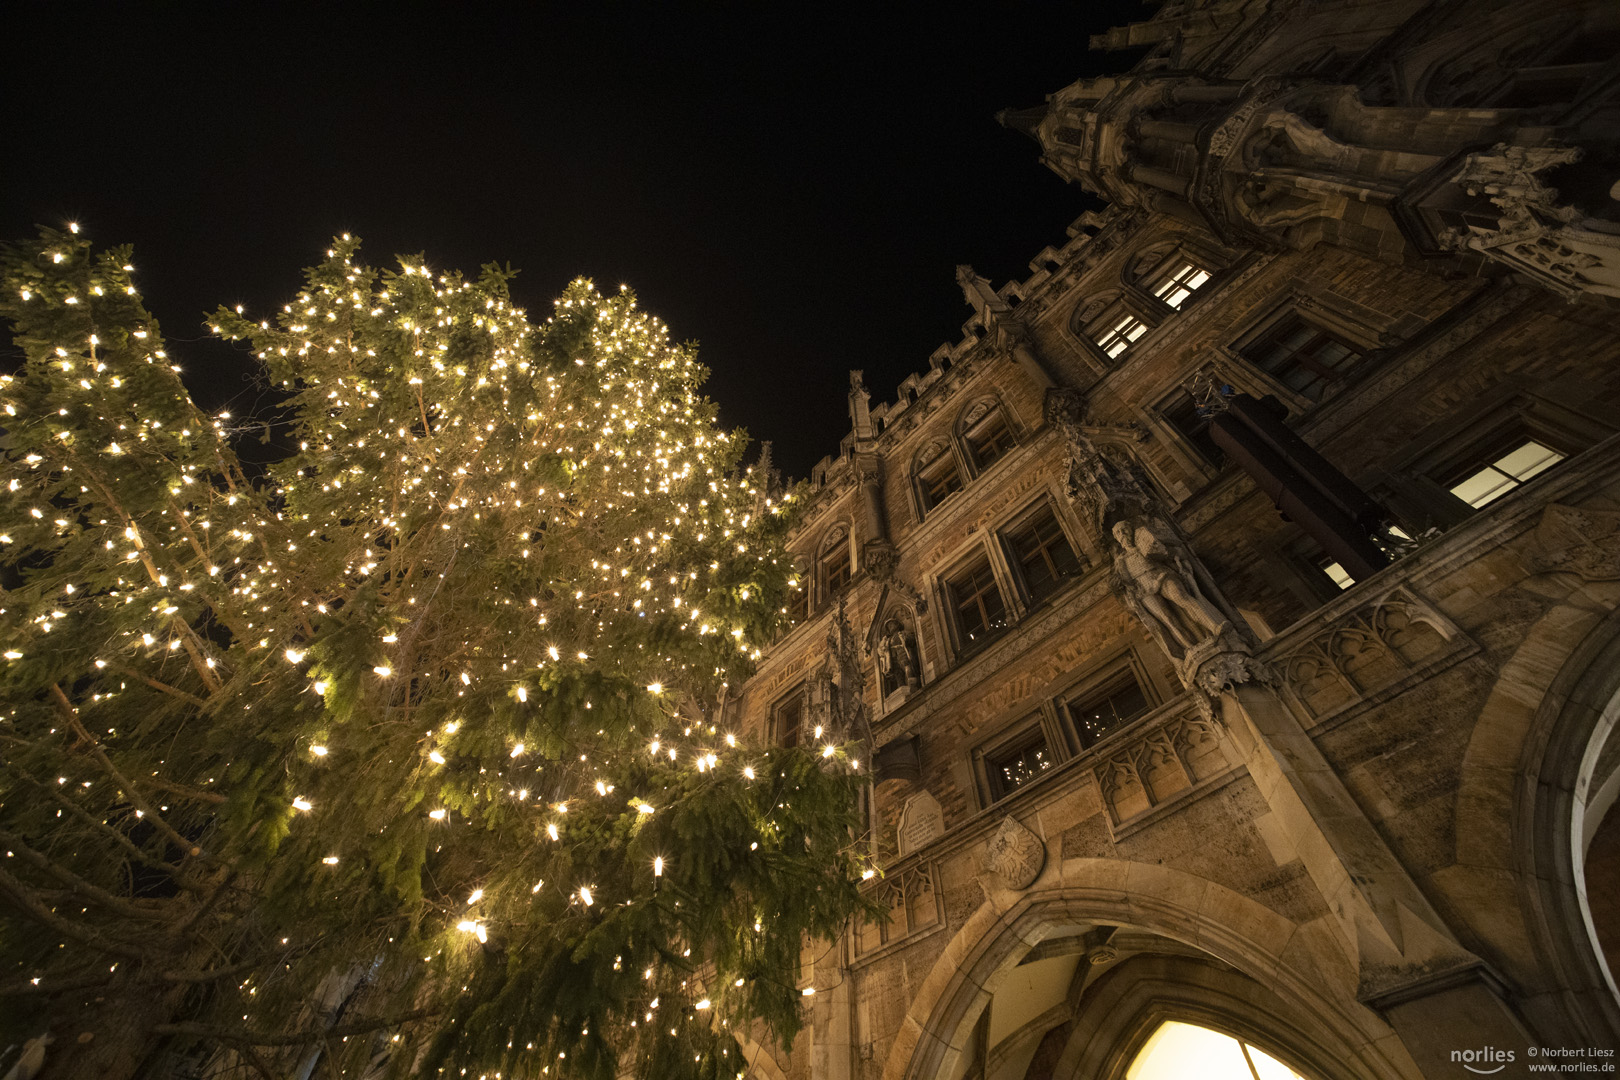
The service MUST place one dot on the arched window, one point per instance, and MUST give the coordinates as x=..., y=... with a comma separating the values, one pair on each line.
x=1178, y=1050
x=985, y=433
x=1110, y=324
x=935, y=474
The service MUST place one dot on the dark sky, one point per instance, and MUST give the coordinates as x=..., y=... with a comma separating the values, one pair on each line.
x=790, y=185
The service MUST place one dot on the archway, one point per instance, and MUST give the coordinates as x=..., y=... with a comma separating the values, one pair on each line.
x=1287, y=986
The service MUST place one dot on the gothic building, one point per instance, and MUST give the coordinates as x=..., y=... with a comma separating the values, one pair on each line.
x=1233, y=613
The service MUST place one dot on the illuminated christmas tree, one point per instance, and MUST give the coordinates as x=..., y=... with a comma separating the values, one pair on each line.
x=407, y=751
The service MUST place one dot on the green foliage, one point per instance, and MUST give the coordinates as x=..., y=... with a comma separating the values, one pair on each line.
x=400, y=723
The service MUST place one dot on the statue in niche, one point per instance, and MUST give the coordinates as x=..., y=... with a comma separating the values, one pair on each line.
x=1155, y=576
x=897, y=657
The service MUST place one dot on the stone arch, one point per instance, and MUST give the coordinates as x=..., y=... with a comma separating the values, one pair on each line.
x=1301, y=963
x=1088, y=310
x=1520, y=794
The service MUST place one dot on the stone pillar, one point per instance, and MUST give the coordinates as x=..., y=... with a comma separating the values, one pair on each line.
x=1437, y=995
x=1172, y=130
x=1163, y=179
x=869, y=475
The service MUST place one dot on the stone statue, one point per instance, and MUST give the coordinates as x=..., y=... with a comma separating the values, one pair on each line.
x=897, y=657
x=1157, y=580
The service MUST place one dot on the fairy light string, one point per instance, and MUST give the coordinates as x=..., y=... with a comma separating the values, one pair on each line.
x=421, y=713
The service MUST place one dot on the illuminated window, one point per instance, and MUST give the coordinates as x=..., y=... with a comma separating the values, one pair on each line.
x=1181, y=283
x=1177, y=1051
x=938, y=481
x=1121, y=332
x=977, y=605
x=1017, y=764
x=1100, y=710
x=1505, y=473
x=1042, y=554
x=989, y=440
x=1338, y=575
x=1302, y=356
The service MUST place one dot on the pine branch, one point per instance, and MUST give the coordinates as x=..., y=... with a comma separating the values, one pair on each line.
x=76, y=885
x=72, y=716
x=163, y=687
x=31, y=907
x=242, y=1036
x=181, y=878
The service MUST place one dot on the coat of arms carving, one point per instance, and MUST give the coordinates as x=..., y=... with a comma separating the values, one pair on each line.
x=1015, y=856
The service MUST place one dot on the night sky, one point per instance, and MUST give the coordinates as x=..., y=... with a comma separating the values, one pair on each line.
x=789, y=185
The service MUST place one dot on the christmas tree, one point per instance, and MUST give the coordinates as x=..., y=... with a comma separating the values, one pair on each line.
x=408, y=751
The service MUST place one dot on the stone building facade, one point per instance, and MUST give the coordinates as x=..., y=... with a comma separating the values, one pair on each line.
x=1234, y=612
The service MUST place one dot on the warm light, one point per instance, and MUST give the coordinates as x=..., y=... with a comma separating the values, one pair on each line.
x=301, y=803
x=658, y=866
x=383, y=670
x=319, y=751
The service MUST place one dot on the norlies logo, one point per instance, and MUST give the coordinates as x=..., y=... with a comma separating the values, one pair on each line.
x=1484, y=1056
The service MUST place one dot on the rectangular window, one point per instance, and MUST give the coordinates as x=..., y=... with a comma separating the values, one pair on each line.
x=1121, y=332
x=1185, y=280
x=977, y=605
x=1042, y=554
x=989, y=440
x=1302, y=356
x=787, y=719
x=939, y=481
x=1482, y=486
x=835, y=572
x=1338, y=574
x=1100, y=710
x=798, y=604
x=1017, y=764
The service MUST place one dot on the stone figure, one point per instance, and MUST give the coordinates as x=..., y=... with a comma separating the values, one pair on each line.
x=1158, y=581
x=897, y=657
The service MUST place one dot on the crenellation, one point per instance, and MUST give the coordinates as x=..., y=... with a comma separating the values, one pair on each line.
x=1164, y=728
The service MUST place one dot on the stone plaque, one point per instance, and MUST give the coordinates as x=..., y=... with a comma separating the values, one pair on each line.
x=1015, y=855
x=920, y=822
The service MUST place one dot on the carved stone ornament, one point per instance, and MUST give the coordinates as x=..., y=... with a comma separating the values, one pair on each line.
x=1570, y=540
x=1533, y=234
x=921, y=822
x=1015, y=856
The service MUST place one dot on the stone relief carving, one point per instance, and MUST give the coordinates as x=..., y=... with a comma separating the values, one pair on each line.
x=1015, y=855
x=1159, y=765
x=911, y=899
x=1554, y=244
x=1570, y=540
x=1366, y=650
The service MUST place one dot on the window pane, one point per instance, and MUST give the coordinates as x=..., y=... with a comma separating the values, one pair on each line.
x=1484, y=486
x=789, y=720
x=940, y=481
x=1101, y=712
x=989, y=440
x=1182, y=283
x=1044, y=556
x=1528, y=460
x=835, y=569
x=1302, y=356
x=1178, y=1051
x=1341, y=577
x=980, y=614
x=1011, y=768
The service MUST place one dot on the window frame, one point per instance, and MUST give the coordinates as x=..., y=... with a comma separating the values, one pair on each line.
x=1041, y=722
x=1007, y=438
x=801, y=694
x=968, y=564
x=1161, y=281
x=1025, y=520
x=1332, y=382
x=826, y=566
x=1102, y=680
